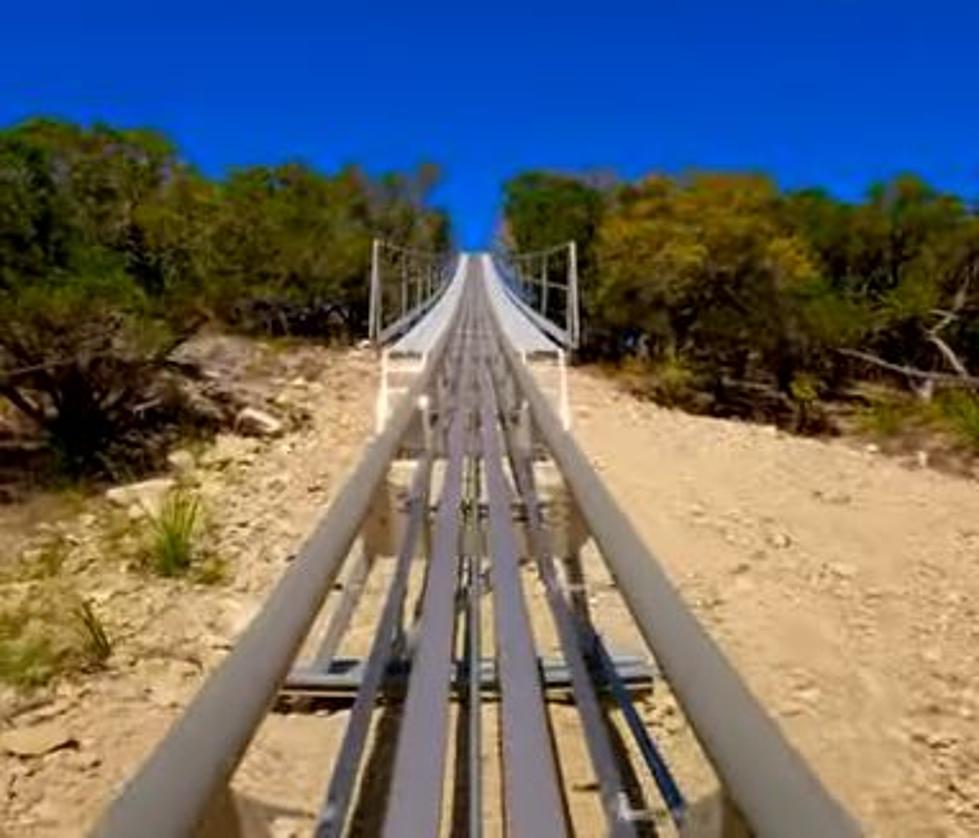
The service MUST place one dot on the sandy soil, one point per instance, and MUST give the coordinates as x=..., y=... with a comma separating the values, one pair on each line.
x=843, y=585
x=262, y=497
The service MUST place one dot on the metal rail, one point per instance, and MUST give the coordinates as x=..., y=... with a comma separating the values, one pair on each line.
x=530, y=280
x=770, y=784
x=487, y=408
x=404, y=284
x=603, y=757
x=333, y=814
x=173, y=792
x=532, y=797
x=415, y=804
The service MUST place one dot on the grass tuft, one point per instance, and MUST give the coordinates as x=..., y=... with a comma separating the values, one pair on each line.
x=891, y=415
x=95, y=641
x=27, y=657
x=959, y=412
x=48, y=634
x=175, y=530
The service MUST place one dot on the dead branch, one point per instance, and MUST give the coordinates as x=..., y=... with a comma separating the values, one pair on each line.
x=911, y=372
x=954, y=361
x=23, y=403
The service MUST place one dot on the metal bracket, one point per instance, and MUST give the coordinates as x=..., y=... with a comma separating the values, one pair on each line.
x=343, y=677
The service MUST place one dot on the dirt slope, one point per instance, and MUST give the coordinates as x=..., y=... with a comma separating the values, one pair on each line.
x=86, y=735
x=844, y=586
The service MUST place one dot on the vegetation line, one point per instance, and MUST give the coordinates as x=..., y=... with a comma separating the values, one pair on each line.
x=721, y=293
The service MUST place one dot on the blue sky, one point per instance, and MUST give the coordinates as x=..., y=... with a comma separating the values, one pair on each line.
x=832, y=93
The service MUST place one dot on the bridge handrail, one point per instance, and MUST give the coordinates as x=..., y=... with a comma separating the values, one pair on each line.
x=505, y=262
x=441, y=263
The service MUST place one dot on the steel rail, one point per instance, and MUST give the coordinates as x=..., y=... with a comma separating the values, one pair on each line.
x=435, y=255
x=474, y=654
x=662, y=775
x=333, y=813
x=603, y=758
x=402, y=324
x=474, y=697
x=773, y=788
x=561, y=335
x=533, y=801
x=439, y=267
x=415, y=797
x=536, y=254
x=171, y=794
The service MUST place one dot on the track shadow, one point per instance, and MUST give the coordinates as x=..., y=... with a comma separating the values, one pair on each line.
x=367, y=818
x=645, y=828
x=462, y=791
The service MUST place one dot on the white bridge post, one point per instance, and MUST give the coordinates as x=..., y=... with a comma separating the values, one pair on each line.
x=374, y=314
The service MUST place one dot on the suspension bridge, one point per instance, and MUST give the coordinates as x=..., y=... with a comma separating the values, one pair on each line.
x=473, y=413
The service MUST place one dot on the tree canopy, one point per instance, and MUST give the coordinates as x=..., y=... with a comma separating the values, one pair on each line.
x=113, y=248
x=739, y=281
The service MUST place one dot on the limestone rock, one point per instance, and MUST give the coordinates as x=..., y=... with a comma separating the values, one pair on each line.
x=254, y=422
x=181, y=461
x=148, y=494
x=37, y=740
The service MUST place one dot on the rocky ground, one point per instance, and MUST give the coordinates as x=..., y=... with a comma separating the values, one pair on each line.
x=841, y=583
x=65, y=749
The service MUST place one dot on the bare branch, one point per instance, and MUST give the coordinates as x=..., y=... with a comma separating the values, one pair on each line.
x=954, y=361
x=911, y=372
x=23, y=404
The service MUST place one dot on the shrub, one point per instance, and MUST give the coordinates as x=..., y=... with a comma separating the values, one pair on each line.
x=112, y=251
x=887, y=416
x=670, y=380
x=959, y=412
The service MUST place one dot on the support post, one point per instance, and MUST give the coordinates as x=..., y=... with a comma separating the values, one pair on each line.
x=404, y=284
x=543, y=279
x=573, y=325
x=374, y=315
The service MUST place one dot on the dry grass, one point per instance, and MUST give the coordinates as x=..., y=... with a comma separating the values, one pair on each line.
x=48, y=633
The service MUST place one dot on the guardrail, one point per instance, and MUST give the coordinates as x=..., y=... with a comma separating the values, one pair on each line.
x=404, y=284
x=534, y=286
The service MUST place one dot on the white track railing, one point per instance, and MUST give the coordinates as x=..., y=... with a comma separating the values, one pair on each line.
x=404, y=284
x=545, y=284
